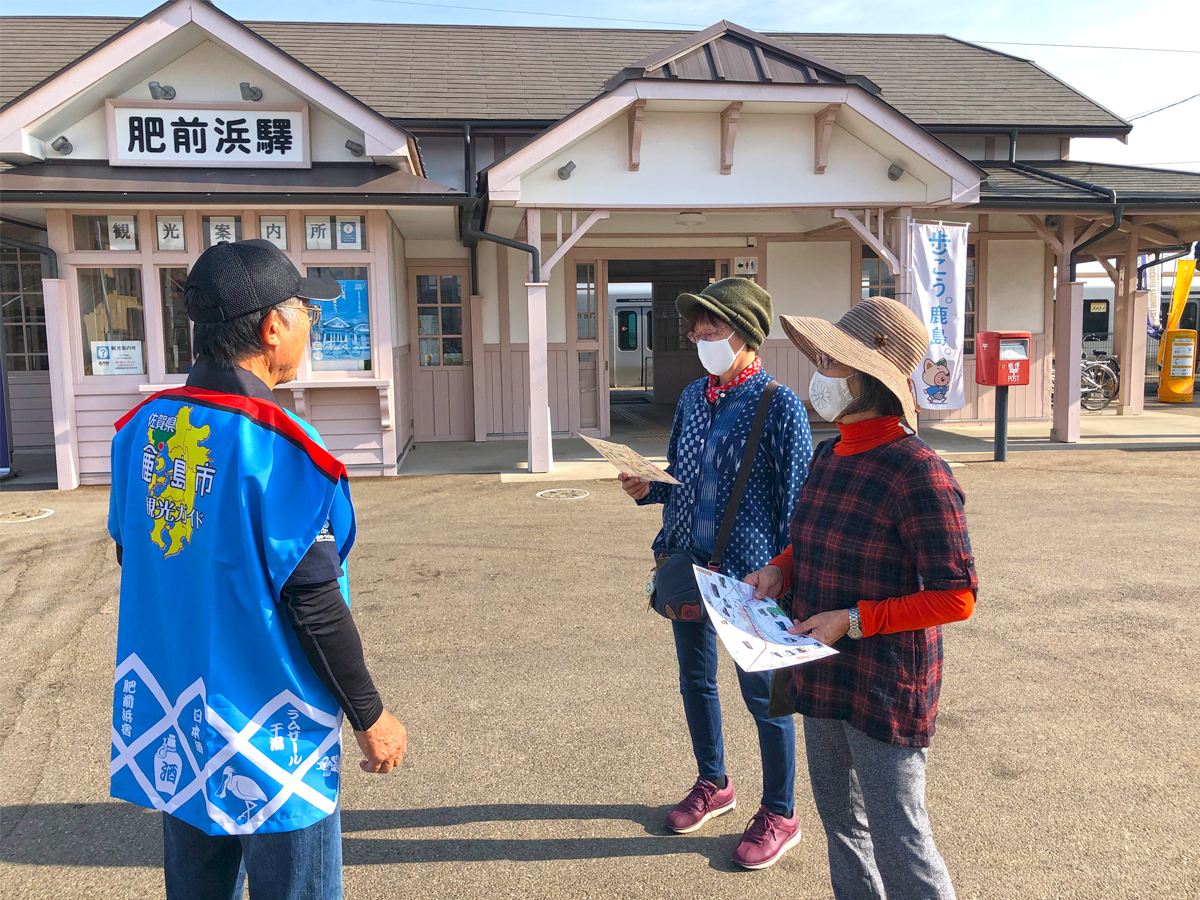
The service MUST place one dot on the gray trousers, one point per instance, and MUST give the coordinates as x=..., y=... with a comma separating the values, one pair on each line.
x=871, y=799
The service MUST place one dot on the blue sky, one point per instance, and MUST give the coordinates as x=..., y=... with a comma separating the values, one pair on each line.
x=1128, y=82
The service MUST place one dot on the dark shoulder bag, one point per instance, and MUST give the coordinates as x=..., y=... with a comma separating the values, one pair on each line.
x=676, y=594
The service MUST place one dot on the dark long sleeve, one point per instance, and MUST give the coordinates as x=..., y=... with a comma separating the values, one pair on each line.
x=330, y=640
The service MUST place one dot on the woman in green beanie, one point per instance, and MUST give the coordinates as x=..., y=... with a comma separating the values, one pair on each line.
x=728, y=321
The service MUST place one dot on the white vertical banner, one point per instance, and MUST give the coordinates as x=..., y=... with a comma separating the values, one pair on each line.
x=939, y=273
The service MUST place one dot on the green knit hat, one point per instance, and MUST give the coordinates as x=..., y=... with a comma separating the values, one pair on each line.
x=737, y=301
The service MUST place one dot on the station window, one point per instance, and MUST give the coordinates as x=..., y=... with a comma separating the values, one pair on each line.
x=23, y=309
x=335, y=232
x=440, y=320
x=221, y=230
x=114, y=321
x=585, y=301
x=105, y=232
x=341, y=342
x=177, y=332
x=877, y=279
x=969, y=304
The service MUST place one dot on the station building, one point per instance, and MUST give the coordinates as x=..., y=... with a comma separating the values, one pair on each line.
x=419, y=165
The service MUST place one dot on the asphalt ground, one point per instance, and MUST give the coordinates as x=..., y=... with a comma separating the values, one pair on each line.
x=547, y=738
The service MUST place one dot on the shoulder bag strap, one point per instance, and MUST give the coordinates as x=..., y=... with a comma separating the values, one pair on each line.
x=743, y=476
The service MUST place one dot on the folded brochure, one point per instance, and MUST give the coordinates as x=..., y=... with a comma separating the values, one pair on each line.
x=755, y=632
x=629, y=461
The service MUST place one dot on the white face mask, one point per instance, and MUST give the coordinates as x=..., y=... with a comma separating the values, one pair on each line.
x=717, y=356
x=829, y=396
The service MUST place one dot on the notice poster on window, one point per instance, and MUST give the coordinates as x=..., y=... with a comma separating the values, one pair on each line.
x=117, y=358
x=939, y=269
x=341, y=342
x=755, y=632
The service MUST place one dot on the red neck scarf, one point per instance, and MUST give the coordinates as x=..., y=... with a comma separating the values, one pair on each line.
x=715, y=388
x=858, y=437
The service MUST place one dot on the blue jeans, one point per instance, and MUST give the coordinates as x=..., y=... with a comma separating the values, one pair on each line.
x=283, y=865
x=696, y=648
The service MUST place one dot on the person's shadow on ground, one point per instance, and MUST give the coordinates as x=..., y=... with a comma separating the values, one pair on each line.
x=120, y=834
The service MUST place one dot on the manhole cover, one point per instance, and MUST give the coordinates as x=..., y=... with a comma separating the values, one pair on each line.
x=25, y=515
x=563, y=494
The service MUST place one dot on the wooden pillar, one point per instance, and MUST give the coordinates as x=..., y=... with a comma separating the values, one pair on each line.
x=1067, y=340
x=60, y=347
x=479, y=369
x=540, y=450
x=1132, y=395
x=1126, y=328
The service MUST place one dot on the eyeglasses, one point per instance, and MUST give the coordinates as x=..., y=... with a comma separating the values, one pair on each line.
x=314, y=314
x=718, y=334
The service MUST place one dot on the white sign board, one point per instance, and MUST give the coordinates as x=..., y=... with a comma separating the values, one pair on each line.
x=117, y=358
x=316, y=233
x=122, y=233
x=745, y=265
x=170, y=232
x=222, y=229
x=939, y=269
x=273, y=229
x=251, y=135
x=349, y=233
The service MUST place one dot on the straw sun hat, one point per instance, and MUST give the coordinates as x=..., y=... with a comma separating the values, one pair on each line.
x=878, y=336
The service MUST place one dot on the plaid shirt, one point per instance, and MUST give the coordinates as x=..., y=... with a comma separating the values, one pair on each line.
x=883, y=523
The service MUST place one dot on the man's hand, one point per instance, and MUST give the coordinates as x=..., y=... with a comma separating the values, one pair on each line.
x=383, y=744
x=767, y=582
x=634, y=486
x=827, y=627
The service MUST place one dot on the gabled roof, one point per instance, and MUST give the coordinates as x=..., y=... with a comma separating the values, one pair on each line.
x=127, y=47
x=457, y=72
x=729, y=52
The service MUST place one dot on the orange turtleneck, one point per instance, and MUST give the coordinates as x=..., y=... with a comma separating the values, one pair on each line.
x=924, y=609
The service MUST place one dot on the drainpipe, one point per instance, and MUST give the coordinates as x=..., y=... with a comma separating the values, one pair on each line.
x=471, y=236
x=51, y=256
x=1184, y=250
x=1118, y=209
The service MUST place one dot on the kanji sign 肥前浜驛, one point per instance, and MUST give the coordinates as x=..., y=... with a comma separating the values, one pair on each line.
x=205, y=135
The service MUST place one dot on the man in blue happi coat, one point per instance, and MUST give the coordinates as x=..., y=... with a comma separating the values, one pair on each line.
x=237, y=656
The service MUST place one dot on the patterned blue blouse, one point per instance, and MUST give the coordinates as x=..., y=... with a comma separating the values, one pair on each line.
x=707, y=443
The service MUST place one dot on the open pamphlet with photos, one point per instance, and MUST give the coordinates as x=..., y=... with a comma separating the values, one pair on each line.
x=629, y=461
x=755, y=632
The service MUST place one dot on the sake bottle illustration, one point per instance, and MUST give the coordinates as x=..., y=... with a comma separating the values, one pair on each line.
x=167, y=766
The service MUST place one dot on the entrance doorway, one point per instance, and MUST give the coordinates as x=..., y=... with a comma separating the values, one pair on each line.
x=652, y=359
x=440, y=321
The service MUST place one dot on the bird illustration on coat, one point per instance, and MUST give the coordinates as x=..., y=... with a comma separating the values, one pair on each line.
x=244, y=788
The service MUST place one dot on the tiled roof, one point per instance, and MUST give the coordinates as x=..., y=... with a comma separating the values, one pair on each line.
x=1133, y=184
x=507, y=73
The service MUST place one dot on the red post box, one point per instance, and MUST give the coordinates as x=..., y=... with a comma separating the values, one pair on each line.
x=1002, y=358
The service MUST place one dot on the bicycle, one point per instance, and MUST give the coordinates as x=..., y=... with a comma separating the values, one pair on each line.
x=1098, y=385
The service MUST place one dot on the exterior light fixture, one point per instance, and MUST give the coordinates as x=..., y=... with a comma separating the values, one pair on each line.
x=161, y=91
x=61, y=145
x=690, y=219
x=894, y=172
x=565, y=172
x=355, y=148
x=1052, y=223
x=250, y=93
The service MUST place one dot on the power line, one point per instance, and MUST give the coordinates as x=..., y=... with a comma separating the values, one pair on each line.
x=1161, y=108
x=1088, y=47
x=519, y=12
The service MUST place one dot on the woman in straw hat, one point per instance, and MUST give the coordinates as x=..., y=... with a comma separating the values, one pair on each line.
x=879, y=560
x=728, y=321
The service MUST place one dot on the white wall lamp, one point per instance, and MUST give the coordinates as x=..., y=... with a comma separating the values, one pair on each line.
x=894, y=172
x=690, y=219
x=565, y=171
x=161, y=91
x=61, y=145
x=250, y=93
x=355, y=148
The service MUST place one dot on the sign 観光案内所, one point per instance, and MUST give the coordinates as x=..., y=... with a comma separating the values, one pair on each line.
x=205, y=134
x=117, y=358
x=939, y=287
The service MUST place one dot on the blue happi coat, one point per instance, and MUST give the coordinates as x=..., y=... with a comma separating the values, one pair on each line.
x=218, y=717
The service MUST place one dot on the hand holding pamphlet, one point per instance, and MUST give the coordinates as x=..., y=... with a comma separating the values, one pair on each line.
x=629, y=461
x=755, y=632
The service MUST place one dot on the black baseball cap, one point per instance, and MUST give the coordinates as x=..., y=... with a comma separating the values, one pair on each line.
x=240, y=278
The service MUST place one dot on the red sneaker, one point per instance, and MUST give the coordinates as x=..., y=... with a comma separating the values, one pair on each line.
x=702, y=803
x=767, y=837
